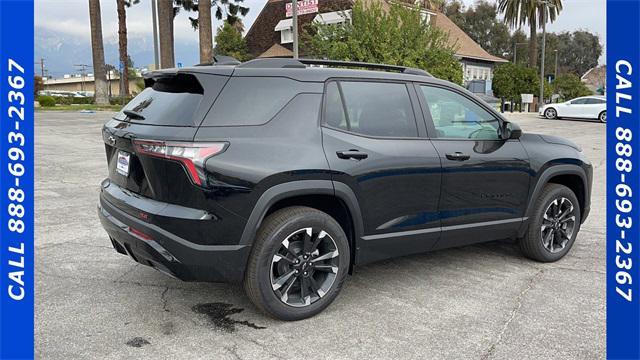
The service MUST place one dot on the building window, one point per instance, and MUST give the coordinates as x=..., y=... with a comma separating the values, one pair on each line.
x=333, y=18
x=475, y=72
x=286, y=31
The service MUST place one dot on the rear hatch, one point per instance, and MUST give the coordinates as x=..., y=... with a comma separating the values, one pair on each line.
x=162, y=120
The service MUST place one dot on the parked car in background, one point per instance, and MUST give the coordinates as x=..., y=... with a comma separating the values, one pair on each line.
x=587, y=107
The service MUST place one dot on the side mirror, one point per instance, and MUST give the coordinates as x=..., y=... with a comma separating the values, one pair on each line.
x=511, y=131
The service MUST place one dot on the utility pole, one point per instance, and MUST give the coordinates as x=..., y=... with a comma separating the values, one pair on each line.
x=515, y=51
x=294, y=9
x=545, y=7
x=555, y=72
x=41, y=63
x=83, y=72
x=154, y=13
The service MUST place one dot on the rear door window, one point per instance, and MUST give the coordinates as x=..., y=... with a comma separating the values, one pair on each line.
x=169, y=101
x=371, y=108
x=579, y=102
x=592, y=101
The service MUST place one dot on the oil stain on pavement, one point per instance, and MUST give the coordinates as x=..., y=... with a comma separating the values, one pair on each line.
x=138, y=342
x=218, y=314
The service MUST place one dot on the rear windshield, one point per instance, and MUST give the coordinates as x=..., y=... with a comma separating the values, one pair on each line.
x=169, y=101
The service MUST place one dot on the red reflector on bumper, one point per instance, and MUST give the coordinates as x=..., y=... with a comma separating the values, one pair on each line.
x=139, y=234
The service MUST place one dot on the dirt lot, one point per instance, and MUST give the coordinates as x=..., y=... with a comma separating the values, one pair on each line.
x=477, y=302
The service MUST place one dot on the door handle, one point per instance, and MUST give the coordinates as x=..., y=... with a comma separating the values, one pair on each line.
x=458, y=156
x=351, y=154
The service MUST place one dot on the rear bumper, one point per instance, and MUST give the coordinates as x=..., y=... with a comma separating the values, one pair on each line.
x=153, y=246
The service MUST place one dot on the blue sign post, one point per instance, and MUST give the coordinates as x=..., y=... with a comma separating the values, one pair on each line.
x=623, y=179
x=16, y=179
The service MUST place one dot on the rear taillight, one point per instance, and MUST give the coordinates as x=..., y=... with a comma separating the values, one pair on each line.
x=191, y=155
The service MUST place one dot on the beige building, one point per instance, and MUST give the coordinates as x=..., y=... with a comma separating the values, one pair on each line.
x=74, y=83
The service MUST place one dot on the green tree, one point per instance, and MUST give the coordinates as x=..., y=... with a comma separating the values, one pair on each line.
x=481, y=24
x=518, y=44
x=532, y=12
x=569, y=86
x=398, y=36
x=229, y=41
x=577, y=52
x=229, y=10
x=510, y=81
x=38, y=84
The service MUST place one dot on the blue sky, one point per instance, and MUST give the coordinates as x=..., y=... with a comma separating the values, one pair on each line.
x=66, y=22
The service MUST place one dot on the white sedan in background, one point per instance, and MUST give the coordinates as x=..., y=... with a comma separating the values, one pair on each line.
x=587, y=107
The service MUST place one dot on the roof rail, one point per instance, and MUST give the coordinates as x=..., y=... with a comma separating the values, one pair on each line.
x=276, y=62
x=373, y=66
x=272, y=63
x=221, y=60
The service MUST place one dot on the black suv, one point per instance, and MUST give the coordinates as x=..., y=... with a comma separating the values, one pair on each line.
x=284, y=176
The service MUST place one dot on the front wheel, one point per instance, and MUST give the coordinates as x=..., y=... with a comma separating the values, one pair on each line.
x=550, y=113
x=554, y=224
x=298, y=263
x=603, y=117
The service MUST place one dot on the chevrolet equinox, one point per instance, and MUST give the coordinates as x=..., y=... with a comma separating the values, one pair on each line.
x=284, y=174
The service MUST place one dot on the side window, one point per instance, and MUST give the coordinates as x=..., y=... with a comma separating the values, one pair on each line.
x=579, y=102
x=457, y=117
x=592, y=101
x=251, y=101
x=372, y=108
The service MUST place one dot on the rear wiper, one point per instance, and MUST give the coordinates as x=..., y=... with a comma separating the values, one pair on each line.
x=133, y=114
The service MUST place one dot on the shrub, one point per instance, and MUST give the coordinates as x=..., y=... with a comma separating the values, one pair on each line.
x=70, y=100
x=569, y=86
x=46, y=101
x=398, y=36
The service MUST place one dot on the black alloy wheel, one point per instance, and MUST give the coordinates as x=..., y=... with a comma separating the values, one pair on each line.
x=304, y=268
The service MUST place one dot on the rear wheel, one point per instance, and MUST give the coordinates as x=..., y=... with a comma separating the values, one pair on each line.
x=550, y=113
x=603, y=117
x=298, y=263
x=554, y=224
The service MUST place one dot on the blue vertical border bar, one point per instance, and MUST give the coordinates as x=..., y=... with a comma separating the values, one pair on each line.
x=623, y=180
x=16, y=179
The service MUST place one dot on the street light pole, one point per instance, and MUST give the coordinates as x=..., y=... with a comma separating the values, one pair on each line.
x=515, y=51
x=154, y=16
x=545, y=6
x=294, y=11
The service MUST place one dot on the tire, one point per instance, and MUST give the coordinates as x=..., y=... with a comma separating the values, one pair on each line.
x=282, y=236
x=550, y=113
x=538, y=244
x=603, y=117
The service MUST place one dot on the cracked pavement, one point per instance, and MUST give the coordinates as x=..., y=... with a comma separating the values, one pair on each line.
x=478, y=302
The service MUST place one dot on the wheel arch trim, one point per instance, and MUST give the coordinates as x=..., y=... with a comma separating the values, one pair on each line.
x=543, y=179
x=298, y=188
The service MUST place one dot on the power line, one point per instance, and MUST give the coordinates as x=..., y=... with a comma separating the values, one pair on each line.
x=41, y=63
x=83, y=73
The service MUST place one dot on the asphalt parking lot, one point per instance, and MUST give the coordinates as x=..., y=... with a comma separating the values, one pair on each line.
x=477, y=302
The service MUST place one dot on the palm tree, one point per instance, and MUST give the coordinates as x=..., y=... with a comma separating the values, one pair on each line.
x=205, y=31
x=97, y=49
x=165, y=33
x=122, y=42
x=203, y=23
x=520, y=12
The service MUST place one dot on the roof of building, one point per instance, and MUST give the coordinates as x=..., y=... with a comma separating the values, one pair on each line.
x=595, y=76
x=466, y=47
x=276, y=50
x=262, y=35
